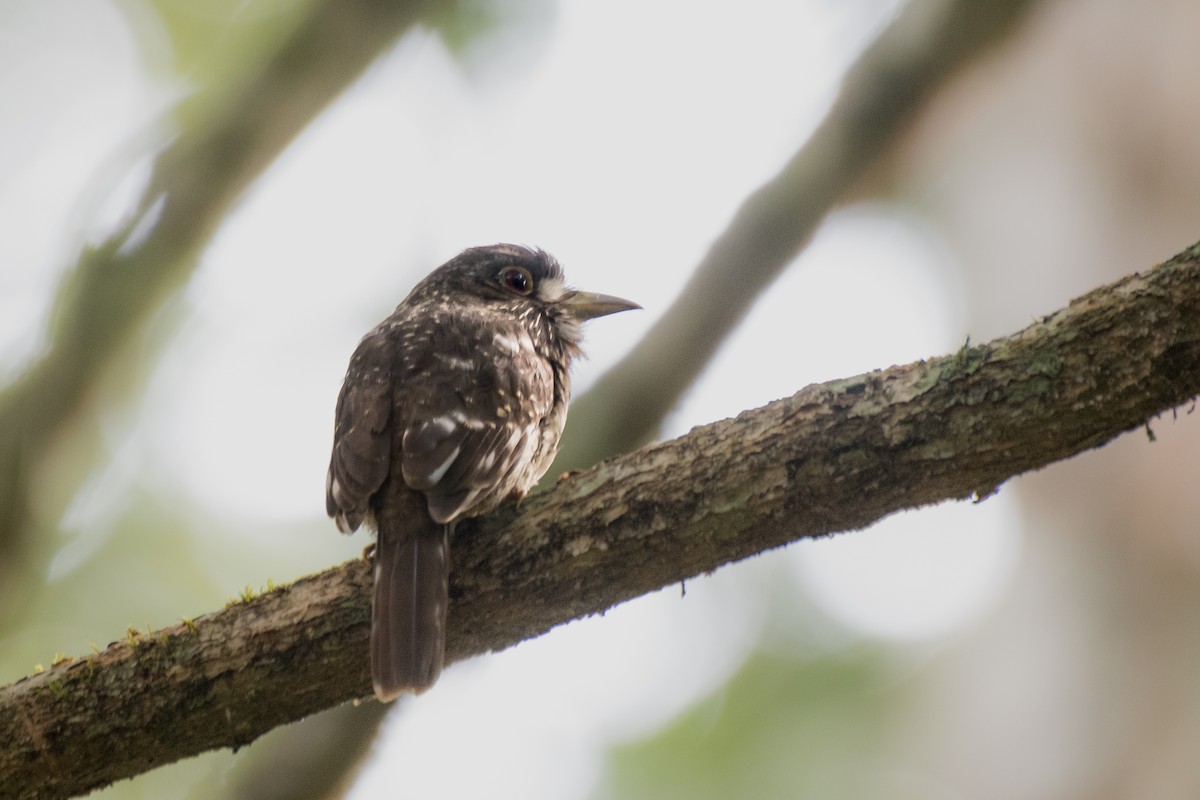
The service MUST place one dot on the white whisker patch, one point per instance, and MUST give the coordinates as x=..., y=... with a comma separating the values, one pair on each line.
x=551, y=289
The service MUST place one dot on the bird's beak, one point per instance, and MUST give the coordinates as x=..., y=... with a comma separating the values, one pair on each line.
x=589, y=305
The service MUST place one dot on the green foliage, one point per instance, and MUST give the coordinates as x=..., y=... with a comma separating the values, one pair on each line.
x=780, y=728
x=212, y=41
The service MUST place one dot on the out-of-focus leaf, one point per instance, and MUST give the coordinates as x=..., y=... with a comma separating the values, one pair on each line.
x=209, y=42
x=779, y=729
x=464, y=22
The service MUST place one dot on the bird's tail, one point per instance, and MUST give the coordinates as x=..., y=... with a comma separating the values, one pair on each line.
x=408, y=616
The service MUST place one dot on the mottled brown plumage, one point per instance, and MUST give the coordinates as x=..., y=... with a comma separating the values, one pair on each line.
x=452, y=405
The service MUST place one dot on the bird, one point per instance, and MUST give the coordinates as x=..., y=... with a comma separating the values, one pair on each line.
x=451, y=406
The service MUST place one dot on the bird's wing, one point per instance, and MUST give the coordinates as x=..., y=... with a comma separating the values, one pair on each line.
x=471, y=435
x=362, y=434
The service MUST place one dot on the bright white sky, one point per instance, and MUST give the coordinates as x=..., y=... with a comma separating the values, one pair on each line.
x=623, y=149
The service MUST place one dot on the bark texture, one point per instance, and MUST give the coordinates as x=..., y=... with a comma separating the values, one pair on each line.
x=833, y=457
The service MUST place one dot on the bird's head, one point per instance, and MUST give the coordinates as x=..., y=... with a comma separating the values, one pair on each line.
x=523, y=282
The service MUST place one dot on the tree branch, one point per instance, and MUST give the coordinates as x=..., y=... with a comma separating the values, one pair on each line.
x=833, y=457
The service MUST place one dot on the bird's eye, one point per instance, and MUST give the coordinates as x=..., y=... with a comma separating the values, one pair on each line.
x=518, y=280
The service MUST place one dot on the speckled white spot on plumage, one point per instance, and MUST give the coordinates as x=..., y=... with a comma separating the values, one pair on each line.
x=440, y=472
x=514, y=437
x=454, y=362
x=467, y=422
x=445, y=424
x=507, y=342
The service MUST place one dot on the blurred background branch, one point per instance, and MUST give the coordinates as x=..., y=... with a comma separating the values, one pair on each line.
x=926, y=45
x=117, y=285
